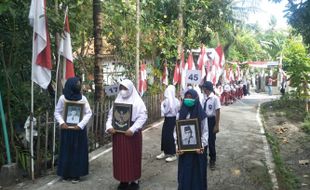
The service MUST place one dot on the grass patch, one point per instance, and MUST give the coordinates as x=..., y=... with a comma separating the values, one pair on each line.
x=306, y=125
x=286, y=179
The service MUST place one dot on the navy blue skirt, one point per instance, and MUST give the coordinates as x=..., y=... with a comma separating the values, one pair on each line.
x=73, y=155
x=192, y=171
x=167, y=139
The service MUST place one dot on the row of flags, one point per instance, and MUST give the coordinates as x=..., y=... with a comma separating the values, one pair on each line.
x=41, y=46
x=210, y=64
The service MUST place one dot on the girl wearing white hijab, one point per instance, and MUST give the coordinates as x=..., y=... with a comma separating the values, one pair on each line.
x=169, y=109
x=127, y=147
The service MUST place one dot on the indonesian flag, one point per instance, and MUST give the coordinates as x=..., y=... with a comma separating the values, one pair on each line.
x=238, y=73
x=176, y=74
x=213, y=78
x=142, y=79
x=231, y=75
x=41, y=46
x=189, y=65
x=201, y=64
x=220, y=52
x=66, y=49
x=165, y=75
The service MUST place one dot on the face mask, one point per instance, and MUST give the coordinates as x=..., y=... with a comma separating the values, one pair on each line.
x=189, y=102
x=124, y=93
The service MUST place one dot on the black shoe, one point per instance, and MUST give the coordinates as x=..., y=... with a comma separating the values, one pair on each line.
x=134, y=186
x=212, y=165
x=123, y=186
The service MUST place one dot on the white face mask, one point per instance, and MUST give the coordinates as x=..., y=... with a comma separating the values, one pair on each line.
x=124, y=93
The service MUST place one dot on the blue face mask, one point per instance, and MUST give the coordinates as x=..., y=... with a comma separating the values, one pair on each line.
x=189, y=102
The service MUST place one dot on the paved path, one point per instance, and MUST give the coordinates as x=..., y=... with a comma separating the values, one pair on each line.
x=241, y=158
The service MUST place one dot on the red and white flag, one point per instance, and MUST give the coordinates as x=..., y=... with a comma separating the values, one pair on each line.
x=201, y=64
x=189, y=65
x=41, y=46
x=220, y=52
x=142, y=79
x=176, y=75
x=65, y=49
x=165, y=75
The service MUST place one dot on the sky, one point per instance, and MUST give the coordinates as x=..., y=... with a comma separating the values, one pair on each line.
x=267, y=10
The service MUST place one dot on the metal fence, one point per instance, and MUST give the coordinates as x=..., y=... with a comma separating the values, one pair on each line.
x=96, y=133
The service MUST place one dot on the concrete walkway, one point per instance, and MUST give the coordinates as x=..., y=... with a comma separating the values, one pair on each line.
x=241, y=157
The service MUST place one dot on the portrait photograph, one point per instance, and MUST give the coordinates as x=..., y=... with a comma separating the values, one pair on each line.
x=188, y=135
x=73, y=113
x=121, y=120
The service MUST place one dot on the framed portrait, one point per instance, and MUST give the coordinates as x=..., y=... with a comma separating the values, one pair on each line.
x=121, y=116
x=188, y=135
x=73, y=113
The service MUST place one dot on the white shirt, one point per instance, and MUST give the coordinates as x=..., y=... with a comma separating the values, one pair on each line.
x=60, y=109
x=171, y=105
x=227, y=88
x=213, y=103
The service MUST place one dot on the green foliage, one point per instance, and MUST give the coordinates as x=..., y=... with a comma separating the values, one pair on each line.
x=285, y=177
x=247, y=48
x=297, y=64
x=299, y=16
x=306, y=124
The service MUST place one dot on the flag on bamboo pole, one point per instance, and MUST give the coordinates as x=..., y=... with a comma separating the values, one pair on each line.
x=65, y=49
x=201, y=63
x=41, y=46
x=189, y=65
x=220, y=52
x=176, y=74
x=165, y=75
x=142, y=79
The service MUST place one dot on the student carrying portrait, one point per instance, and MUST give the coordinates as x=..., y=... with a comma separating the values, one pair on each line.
x=73, y=155
x=127, y=146
x=192, y=173
x=169, y=108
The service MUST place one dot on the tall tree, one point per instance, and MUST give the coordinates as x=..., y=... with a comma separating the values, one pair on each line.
x=98, y=43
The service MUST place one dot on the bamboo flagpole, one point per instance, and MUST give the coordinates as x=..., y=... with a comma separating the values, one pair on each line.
x=41, y=63
x=56, y=90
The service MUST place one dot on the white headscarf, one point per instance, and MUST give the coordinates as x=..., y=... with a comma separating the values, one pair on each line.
x=138, y=106
x=173, y=102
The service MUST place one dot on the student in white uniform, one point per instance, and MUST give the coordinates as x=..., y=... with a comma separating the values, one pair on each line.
x=211, y=105
x=169, y=108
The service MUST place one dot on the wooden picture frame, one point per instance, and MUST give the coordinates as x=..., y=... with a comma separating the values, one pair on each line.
x=121, y=118
x=188, y=135
x=73, y=113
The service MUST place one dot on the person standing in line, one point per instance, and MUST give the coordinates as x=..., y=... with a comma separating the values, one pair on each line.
x=73, y=156
x=169, y=109
x=269, y=84
x=211, y=105
x=127, y=147
x=192, y=173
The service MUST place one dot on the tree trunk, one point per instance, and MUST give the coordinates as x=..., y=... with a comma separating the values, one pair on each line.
x=98, y=72
x=181, y=29
x=137, y=43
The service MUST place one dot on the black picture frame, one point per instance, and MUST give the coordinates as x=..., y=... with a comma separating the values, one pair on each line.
x=121, y=118
x=188, y=135
x=73, y=113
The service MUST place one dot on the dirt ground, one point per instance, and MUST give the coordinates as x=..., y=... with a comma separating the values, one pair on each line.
x=294, y=148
